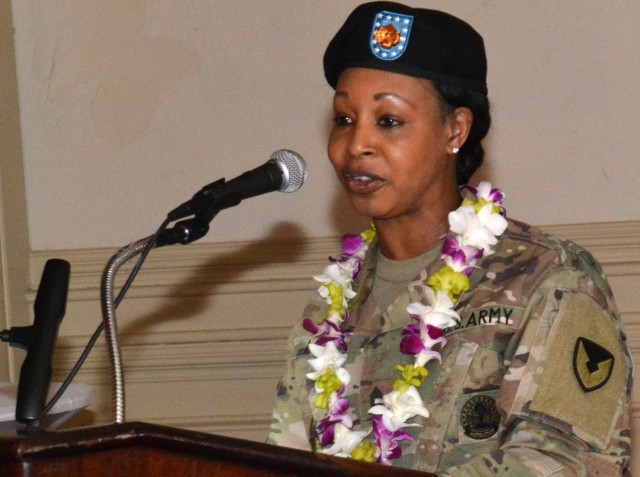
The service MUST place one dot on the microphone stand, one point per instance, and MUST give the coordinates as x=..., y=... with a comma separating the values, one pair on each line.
x=184, y=232
x=109, y=319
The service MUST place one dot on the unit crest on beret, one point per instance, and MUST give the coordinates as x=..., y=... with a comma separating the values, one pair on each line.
x=390, y=35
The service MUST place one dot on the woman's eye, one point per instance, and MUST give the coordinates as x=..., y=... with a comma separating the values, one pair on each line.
x=389, y=122
x=340, y=120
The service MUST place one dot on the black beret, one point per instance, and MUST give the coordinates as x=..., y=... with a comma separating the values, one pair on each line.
x=412, y=41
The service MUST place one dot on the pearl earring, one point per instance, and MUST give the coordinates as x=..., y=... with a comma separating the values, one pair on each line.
x=456, y=150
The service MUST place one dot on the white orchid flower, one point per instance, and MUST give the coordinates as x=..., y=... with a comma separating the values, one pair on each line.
x=326, y=357
x=466, y=223
x=336, y=274
x=397, y=408
x=494, y=222
x=345, y=440
x=486, y=191
x=426, y=355
x=350, y=265
x=440, y=311
x=333, y=273
x=457, y=265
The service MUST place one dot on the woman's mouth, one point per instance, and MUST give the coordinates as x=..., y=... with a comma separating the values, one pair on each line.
x=361, y=182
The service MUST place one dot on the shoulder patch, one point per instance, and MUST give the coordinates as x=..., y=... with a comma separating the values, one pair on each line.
x=592, y=364
x=583, y=375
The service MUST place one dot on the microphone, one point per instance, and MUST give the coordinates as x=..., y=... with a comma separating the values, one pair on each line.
x=49, y=309
x=285, y=171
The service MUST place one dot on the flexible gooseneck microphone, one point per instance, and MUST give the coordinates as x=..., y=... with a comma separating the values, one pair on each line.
x=49, y=309
x=285, y=172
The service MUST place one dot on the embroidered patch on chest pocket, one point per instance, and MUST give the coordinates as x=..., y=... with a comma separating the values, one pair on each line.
x=478, y=416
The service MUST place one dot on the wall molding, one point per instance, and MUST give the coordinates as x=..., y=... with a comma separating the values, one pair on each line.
x=240, y=267
x=183, y=356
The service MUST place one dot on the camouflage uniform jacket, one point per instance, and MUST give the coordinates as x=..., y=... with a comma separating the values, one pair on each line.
x=535, y=379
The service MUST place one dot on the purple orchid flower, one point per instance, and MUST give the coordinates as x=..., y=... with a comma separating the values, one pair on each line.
x=461, y=257
x=352, y=243
x=388, y=441
x=326, y=332
x=485, y=190
x=496, y=196
x=412, y=341
x=338, y=414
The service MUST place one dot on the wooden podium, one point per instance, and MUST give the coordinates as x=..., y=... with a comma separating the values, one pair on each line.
x=141, y=450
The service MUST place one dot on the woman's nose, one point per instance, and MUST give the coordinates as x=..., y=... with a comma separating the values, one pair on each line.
x=362, y=140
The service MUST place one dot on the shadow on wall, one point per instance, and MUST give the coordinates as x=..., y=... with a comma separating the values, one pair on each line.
x=285, y=243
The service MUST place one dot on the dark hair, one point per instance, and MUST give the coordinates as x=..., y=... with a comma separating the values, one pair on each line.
x=471, y=153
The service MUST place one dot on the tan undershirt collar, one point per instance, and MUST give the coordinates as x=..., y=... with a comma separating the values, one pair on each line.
x=393, y=276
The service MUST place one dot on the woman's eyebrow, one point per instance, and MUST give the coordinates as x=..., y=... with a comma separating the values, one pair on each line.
x=378, y=97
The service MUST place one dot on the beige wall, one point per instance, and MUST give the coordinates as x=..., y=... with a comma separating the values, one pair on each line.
x=127, y=108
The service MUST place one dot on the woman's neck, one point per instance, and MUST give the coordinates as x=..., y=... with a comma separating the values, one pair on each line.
x=409, y=236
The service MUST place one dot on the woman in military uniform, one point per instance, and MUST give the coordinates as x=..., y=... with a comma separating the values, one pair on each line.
x=439, y=337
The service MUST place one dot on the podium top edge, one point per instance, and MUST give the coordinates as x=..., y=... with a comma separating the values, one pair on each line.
x=213, y=447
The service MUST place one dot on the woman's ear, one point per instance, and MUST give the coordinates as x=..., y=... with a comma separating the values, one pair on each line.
x=460, y=125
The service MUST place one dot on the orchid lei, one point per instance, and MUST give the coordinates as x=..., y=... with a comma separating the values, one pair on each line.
x=475, y=227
